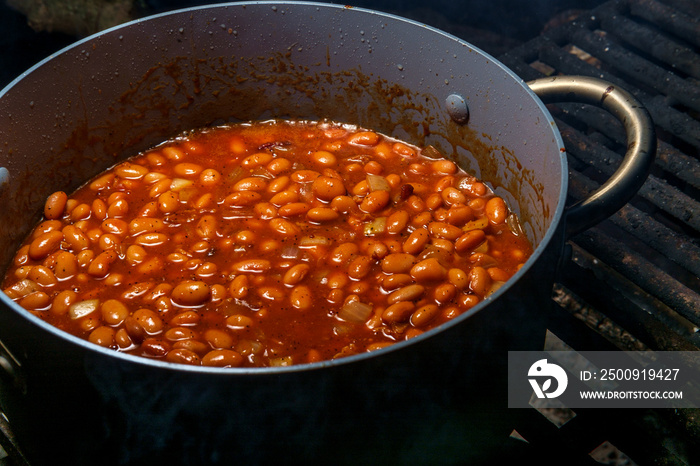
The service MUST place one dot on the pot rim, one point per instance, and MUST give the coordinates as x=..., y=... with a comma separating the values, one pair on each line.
x=552, y=229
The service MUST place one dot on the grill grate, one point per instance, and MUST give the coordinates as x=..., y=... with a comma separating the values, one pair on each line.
x=635, y=278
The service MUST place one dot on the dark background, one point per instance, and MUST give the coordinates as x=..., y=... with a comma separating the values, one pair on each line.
x=492, y=25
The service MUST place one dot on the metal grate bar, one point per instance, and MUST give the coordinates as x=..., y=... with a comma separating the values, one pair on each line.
x=658, y=327
x=643, y=273
x=668, y=18
x=669, y=119
x=670, y=244
x=668, y=51
x=662, y=195
x=689, y=7
x=629, y=64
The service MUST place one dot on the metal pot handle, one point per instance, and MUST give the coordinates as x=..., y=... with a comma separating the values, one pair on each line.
x=641, y=144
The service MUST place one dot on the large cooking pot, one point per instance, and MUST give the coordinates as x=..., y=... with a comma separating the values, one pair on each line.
x=437, y=398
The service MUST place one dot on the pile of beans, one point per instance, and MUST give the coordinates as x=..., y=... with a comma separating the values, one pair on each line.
x=267, y=243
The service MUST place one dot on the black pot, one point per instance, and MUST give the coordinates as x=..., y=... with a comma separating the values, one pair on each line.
x=440, y=397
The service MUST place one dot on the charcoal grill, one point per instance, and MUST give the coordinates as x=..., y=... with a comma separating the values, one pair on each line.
x=632, y=282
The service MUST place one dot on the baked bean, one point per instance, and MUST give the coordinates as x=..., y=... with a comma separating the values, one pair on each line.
x=183, y=356
x=279, y=165
x=55, y=205
x=186, y=318
x=168, y=202
x=99, y=267
x=428, y=270
x=324, y=158
x=398, y=263
x=496, y=210
x=117, y=209
x=377, y=250
x=304, y=176
x=479, y=281
x=278, y=184
x=35, y=301
x=102, y=182
x=398, y=312
x=42, y=275
x=360, y=267
x=293, y=209
x=343, y=253
x=458, y=278
x=403, y=149
x=218, y=339
x=322, y=214
x=343, y=204
x=222, y=358
x=155, y=347
x=407, y=293
x=271, y=293
x=452, y=196
x=66, y=265
x=151, y=239
x=257, y=159
x=45, y=244
x=63, y=301
x=397, y=221
x=301, y=297
x=191, y=293
x=424, y=315
x=497, y=274
x=416, y=241
x=251, y=266
x=364, y=138
x=187, y=169
x=114, y=312
x=210, y=177
x=375, y=201
x=444, y=230
x=239, y=321
x=284, y=227
x=253, y=183
x=326, y=188
x=295, y=274
x=469, y=240
x=445, y=292
x=85, y=257
x=130, y=171
x=103, y=336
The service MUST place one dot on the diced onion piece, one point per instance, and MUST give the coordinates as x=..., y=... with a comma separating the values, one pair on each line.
x=375, y=227
x=187, y=193
x=21, y=289
x=494, y=287
x=83, y=308
x=178, y=184
x=355, y=311
x=290, y=252
x=478, y=224
x=431, y=152
x=514, y=225
x=377, y=183
x=482, y=248
x=281, y=361
x=314, y=240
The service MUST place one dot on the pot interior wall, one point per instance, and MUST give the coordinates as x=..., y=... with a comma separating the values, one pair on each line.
x=120, y=92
